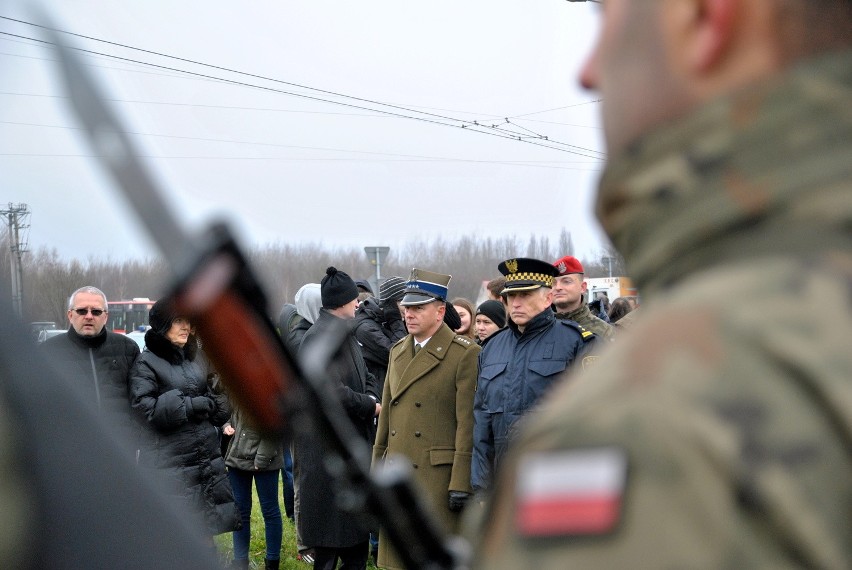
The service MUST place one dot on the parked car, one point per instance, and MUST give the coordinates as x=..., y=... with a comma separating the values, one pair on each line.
x=49, y=333
x=138, y=337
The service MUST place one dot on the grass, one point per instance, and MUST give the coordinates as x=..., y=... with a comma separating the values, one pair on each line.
x=257, y=544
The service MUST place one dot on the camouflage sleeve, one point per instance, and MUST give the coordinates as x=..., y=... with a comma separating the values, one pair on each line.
x=683, y=450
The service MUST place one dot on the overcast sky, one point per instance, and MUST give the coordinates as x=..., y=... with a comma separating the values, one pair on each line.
x=325, y=167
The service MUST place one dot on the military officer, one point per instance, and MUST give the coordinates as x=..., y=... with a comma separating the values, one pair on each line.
x=521, y=362
x=569, y=292
x=716, y=434
x=427, y=419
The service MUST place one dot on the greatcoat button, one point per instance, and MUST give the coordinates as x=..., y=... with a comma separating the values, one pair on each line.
x=417, y=434
x=417, y=404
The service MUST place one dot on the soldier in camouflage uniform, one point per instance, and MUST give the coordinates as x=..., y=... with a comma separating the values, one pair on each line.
x=718, y=434
x=569, y=290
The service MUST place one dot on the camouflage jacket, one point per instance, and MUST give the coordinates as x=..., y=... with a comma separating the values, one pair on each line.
x=584, y=317
x=718, y=432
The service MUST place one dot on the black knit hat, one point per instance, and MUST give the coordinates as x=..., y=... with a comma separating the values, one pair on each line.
x=337, y=289
x=161, y=316
x=494, y=310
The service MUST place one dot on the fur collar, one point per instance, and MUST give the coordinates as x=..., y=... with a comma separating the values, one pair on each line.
x=162, y=347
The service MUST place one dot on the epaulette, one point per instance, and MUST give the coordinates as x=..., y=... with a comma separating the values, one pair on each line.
x=585, y=333
x=463, y=340
x=400, y=341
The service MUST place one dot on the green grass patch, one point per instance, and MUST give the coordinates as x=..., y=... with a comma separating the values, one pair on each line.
x=257, y=544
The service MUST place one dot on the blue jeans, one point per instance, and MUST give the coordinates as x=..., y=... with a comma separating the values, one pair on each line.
x=287, y=478
x=266, y=483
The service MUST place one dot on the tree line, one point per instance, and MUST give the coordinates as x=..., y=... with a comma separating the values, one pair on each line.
x=283, y=268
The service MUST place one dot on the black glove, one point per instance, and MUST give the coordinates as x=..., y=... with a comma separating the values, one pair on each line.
x=390, y=311
x=198, y=408
x=458, y=499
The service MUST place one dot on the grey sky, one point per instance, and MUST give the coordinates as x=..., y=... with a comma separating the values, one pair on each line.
x=301, y=170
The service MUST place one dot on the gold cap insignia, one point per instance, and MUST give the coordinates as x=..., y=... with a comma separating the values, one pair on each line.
x=512, y=265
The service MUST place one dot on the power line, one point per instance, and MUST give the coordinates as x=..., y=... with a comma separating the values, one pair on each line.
x=262, y=108
x=284, y=159
x=200, y=105
x=243, y=108
x=435, y=118
x=555, y=108
x=398, y=157
x=29, y=43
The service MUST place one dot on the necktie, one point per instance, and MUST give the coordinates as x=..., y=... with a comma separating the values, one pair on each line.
x=417, y=348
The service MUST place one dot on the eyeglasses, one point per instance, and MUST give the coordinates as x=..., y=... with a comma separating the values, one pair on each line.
x=95, y=312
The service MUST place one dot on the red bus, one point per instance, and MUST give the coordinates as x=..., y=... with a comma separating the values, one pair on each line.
x=127, y=316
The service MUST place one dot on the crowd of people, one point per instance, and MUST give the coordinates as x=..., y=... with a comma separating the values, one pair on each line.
x=715, y=434
x=426, y=378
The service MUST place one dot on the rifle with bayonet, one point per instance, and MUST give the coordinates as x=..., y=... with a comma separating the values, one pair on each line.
x=215, y=287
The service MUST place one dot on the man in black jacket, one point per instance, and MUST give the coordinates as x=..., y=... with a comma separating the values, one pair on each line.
x=98, y=360
x=332, y=533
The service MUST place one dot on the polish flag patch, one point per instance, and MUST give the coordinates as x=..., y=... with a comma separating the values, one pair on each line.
x=577, y=492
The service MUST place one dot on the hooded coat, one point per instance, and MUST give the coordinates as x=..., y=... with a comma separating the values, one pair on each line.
x=376, y=335
x=172, y=397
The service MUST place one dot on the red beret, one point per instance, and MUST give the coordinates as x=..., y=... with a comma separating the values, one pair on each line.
x=568, y=264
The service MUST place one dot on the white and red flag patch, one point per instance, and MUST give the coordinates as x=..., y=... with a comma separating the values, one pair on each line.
x=576, y=492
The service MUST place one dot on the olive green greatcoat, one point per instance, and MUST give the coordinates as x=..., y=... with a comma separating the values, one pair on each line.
x=731, y=397
x=427, y=418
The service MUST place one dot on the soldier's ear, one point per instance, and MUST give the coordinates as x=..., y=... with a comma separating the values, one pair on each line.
x=708, y=28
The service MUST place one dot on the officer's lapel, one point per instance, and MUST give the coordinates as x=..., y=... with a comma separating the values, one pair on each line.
x=427, y=359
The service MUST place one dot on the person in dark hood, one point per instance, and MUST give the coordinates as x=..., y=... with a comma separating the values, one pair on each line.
x=378, y=325
x=171, y=394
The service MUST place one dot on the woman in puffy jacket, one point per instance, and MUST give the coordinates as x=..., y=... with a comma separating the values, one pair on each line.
x=251, y=457
x=170, y=392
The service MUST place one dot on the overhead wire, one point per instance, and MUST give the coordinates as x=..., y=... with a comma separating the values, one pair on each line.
x=428, y=117
x=30, y=43
x=398, y=156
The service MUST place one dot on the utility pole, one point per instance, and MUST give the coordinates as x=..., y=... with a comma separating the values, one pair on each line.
x=16, y=215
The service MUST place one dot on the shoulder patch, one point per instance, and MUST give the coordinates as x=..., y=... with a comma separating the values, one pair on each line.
x=576, y=492
x=463, y=340
x=585, y=333
x=589, y=360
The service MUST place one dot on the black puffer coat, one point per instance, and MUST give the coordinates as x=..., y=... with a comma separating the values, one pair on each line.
x=171, y=394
